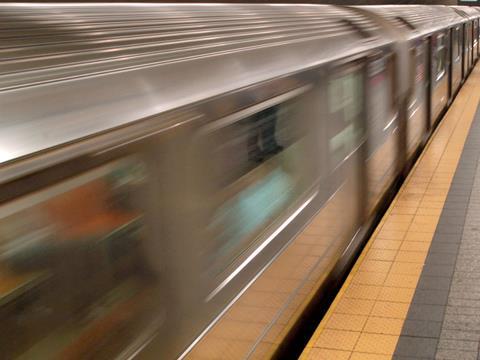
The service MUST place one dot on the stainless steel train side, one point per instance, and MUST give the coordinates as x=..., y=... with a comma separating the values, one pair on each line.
x=472, y=17
x=181, y=180
x=207, y=136
x=433, y=35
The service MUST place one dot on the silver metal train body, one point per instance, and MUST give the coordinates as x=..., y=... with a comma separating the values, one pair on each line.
x=182, y=180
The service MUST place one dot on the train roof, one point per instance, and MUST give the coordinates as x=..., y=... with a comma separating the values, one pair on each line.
x=417, y=19
x=467, y=11
x=70, y=71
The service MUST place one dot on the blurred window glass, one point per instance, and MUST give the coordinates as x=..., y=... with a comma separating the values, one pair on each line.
x=475, y=32
x=257, y=177
x=74, y=281
x=345, y=103
x=420, y=63
x=440, y=57
x=456, y=44
x=381, y=74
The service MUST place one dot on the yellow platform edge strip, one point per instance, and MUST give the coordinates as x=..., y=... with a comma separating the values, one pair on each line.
x=420, y=198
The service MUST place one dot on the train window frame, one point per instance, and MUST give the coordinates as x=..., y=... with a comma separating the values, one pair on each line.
x=348, y=66
x=252, y=110
x=45, y=177
x=84, y=151
x=475, y=30
x=423, y=45
x=441, y=48
x=456, y=45
x=392, y=69
x=67, y=173
x=253, y=252
x=469, y=34
x=413, y=54
x=389, y=68
x=465, y=46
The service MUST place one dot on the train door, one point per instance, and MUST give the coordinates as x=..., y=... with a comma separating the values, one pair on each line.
x=439, y=74
x=382, y=127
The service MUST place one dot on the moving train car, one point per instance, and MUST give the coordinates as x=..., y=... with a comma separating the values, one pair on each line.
x=471, y=33
x=434, y=36
x=187, y=180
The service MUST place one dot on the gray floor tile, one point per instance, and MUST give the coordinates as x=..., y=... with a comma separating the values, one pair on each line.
x=434, y=283
x=440, y=247
x=444, y=354
x=464, y=302
x=460, y=335
x=426, y=312
x=445, y=270
x=441, y=258
x=456, y=344
x=431, y=329
x=416, y=346
x=433, y=297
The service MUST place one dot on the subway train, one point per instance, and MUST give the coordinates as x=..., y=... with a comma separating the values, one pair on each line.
x=185, y=180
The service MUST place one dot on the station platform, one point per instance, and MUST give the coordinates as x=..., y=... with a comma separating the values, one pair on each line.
x=414, y=292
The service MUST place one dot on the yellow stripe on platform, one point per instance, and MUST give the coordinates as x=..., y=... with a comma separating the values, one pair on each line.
x=366, y=318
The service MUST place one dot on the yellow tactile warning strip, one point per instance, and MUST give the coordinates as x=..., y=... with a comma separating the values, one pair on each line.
x=366, y=318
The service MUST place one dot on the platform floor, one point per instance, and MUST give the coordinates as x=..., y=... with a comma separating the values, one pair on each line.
x=414, y=292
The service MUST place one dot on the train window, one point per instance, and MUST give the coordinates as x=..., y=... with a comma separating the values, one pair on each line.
x=381, y=85
x=255, y=166
x=74, y=283
x=478, y=30
x=456, y=44
x=465, y=44
x=440, y=56
x=420, y=62
x=345, y=103
x=475, y=32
